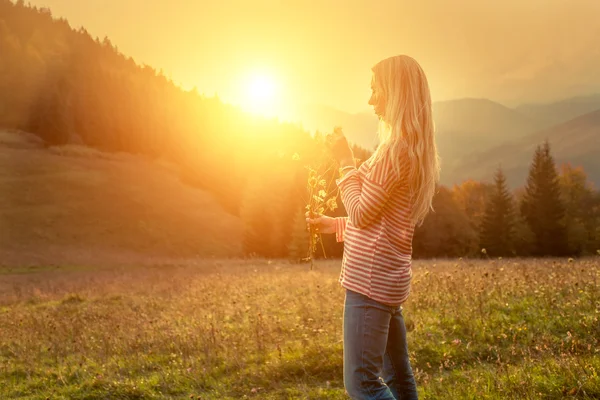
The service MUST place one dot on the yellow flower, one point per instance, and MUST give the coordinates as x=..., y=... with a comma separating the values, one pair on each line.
x=322, y=182
x=296, y=157
x=312, y=181
x=331, y=204
x=322, y=193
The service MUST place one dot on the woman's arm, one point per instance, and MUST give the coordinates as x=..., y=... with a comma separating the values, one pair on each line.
x=365, y=199
x=340, y=228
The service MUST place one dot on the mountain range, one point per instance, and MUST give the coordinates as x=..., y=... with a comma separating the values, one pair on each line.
x=474, y=136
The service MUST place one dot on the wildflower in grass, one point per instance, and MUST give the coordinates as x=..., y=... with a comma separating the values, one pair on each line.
x=321, y=177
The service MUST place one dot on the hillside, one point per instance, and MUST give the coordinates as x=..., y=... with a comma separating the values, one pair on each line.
x=550, y=114
x=576, y=141
x=68, y=87
x=76, y=205
x=471, y=125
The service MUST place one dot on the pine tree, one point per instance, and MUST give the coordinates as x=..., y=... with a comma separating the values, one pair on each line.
x=580, y=216
x=497, y=225
x=257, y=220
x=298, y=247
x=446, y=232
x=51, y=116
x=542, y=207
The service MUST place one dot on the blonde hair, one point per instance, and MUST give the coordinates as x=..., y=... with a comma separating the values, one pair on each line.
x=407, y=125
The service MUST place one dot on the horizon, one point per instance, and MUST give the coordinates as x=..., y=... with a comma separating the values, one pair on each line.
x=275, y=46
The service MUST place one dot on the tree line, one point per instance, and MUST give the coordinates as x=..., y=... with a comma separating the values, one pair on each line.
x=555, y=213
x=67, y=87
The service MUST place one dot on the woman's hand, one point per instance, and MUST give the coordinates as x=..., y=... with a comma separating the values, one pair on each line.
x=340, y=148
x=322, y=224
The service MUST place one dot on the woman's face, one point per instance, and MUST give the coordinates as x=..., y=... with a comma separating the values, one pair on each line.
x=377, y=99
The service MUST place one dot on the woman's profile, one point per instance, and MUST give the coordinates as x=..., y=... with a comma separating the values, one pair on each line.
x=385, y=198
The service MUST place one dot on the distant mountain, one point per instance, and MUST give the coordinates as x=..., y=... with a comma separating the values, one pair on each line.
x=550, y=114
x=576, y=141
x=475, y=135
x=463, y=126
x=472, y=125
x=360, y=128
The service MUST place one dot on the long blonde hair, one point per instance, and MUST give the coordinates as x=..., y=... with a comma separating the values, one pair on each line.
x=407, y=125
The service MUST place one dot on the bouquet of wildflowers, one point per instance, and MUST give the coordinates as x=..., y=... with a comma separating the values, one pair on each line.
x=321, y=190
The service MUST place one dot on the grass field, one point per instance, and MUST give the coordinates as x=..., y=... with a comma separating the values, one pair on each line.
x=497, y=329
x=76, y=205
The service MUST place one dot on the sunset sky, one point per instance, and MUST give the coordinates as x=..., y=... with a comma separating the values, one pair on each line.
x=321, y=52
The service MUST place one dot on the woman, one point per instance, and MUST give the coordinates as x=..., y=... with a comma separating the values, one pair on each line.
x=385, y=198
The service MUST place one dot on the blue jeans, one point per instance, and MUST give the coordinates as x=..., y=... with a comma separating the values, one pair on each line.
x=376, y=364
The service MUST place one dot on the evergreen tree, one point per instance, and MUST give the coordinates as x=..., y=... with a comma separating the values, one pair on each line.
x=298, y=247
x=257, y=220
x=472, y=197
x=50, y=118
x=581, y=216
x=446, y=232
x=542, y=207
x=496, y=235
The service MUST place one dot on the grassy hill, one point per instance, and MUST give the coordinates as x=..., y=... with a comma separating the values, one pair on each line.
x=576, y=141
x=76, y=205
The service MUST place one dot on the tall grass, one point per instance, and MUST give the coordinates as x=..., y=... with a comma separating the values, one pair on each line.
x=492, y=329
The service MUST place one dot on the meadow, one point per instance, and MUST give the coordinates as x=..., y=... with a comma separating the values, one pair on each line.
x=232, y=329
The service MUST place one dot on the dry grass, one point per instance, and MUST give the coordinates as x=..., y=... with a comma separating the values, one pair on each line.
x=16, y=139
x=73, y=205
x=272, y=330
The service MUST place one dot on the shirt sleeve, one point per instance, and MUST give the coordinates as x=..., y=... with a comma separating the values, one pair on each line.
x=365, y=199
x=340, y=228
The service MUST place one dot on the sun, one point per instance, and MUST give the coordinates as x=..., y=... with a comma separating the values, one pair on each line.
x=261, y=94
x=261, y=88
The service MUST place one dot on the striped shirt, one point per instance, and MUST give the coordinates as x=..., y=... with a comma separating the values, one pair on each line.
x=377, y=233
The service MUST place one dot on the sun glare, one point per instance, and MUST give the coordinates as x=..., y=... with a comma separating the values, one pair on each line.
x=262, y=88
x=261, y=95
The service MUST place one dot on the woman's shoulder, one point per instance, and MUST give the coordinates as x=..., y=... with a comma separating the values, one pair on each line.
x=392, y=164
